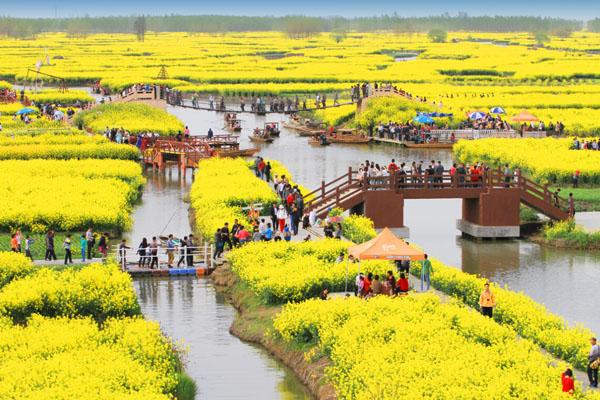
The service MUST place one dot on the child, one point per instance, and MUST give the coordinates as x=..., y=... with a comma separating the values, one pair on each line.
x=83, y=242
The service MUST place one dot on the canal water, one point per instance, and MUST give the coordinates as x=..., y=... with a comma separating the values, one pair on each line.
x=190, y=310
x=566, y=281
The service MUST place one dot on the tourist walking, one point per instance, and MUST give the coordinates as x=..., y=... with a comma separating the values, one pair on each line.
x=426, y=272
x=218, y=245
x=487, y=301
x=103, y=245
x=122, y=250
x=50, y=254
x=281, y=217
x=67, y=247
x=593, y=363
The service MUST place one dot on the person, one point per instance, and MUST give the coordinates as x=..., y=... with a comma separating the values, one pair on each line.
x=67, y=247
x=218, y=245
x=287, y=234
x=190, y=247
x=243, y=235
x=376, y=287
x=391, y=283
x=568, y=382
x=123, y=252
x=142, y=253
x=18, y=237
x=13, y=243
x=402, y=286
x=338, y=231
x=183, y=249
x=268, y=235
x=366, y=288
x=508, y=175
x=576, y=178
x=91, y=240
x=487, y=301
x=103, y=244
x=225, y=236
x=571, y=205
x=281, y=217
x=28, y=244
x=593, y=360
x=426, y=272
x=359, y=283
x=170, y=251
x=83, y=245
x=324, y=294
x=340, y=258
x=153, y=253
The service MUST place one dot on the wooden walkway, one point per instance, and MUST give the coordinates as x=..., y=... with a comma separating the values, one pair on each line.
x=247, y=110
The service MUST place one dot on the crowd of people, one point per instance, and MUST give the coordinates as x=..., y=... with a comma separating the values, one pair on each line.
x=583, y=144
x=148, y=251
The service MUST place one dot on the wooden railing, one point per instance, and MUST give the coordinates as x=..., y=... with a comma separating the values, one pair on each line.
x=445, y=185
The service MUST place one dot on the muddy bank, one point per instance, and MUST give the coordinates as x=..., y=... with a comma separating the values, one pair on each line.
x=251, y=324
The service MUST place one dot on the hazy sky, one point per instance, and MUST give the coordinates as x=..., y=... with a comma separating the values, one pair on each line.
x=579, y=9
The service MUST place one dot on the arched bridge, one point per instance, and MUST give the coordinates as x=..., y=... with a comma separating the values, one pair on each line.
x=491, y=201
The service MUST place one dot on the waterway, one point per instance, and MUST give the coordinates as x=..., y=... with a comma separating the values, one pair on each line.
x=566, y=281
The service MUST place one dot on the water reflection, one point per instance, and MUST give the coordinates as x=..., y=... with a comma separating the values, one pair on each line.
x=190, y=309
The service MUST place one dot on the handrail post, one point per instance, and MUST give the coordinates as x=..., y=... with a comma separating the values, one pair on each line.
x=365, y=182
x=323, y=189
x=337, y=196
x=392, y=183
x=349, y=176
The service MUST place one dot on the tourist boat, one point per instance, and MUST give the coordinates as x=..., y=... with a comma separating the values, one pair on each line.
x=318, y=142
x=348, y=136
x=272, y=128
x=237, y=152
x=260, y=137
x=232, y=124
x=428, y=145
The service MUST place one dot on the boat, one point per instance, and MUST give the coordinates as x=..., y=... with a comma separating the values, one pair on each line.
x=428, y=145
x=272, y=128
x=232, y=123
x=348, y=136
x=318, y=142
x=259, y=136
x=237, y=152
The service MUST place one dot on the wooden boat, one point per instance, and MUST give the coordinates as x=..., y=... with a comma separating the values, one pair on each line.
x=318, y=142
x=237, y=152
x=428, y=145
x=260, y=138
x=272, y=128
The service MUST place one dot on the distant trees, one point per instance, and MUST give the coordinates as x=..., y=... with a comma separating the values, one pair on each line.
x=139, y=27
x=594, y=25
x=437, y=35
x=295, y=26
x=541, y=38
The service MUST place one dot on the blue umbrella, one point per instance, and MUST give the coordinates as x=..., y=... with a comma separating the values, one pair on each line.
x=26, y=110
x=497, y=110
x=476, y=115
x=423, y=119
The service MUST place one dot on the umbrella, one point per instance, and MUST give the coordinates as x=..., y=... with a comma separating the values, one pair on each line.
x=423, y=119
x=385, y=246
x=476, y=115
x=525, y=116
x=497, y=110
x=26, y=110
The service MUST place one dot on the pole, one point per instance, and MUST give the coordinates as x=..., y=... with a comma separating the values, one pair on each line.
x=347, y=265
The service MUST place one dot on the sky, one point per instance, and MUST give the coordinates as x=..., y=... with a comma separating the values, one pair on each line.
x=576, y=9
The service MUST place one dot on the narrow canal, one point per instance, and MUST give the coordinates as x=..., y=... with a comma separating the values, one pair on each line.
x=189, y=309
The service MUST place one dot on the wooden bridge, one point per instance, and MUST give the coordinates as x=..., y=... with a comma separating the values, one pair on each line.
x=187, y=153
x=491, y=202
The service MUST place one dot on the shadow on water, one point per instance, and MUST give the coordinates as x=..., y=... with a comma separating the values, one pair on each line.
x=565, y=281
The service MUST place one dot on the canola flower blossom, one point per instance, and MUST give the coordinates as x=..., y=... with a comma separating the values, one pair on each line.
x=416, y=347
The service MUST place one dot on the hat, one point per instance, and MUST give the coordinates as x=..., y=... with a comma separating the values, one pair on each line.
x=281, y=206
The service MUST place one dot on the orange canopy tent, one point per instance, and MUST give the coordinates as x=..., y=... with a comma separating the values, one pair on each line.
x=385, y=246
x=525, y=116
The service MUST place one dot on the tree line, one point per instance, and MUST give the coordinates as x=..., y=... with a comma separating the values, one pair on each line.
x=294, y=26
